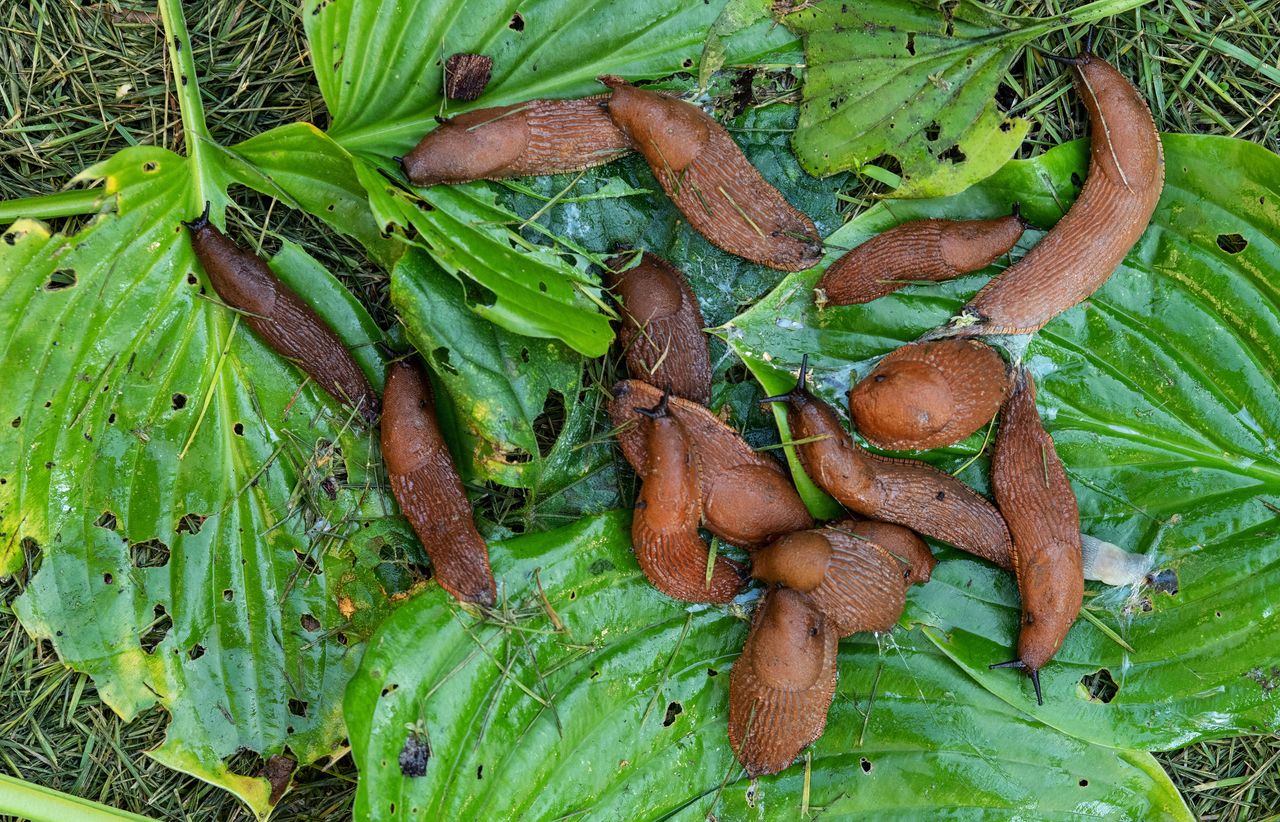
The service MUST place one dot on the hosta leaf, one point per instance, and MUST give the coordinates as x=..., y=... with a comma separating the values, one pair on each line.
x=595, y=697
x=914, y=81
x=1161, y=395
x=184, y=483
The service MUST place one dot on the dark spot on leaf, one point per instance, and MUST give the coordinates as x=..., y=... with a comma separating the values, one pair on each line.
x=278, y=771
x=466, y=75
x=1100, y=686
x=414, y=756
x=297, y=707
x=744, y=94
x=228, y=595
x=1164, y=581
x=16, y=422
x=191, y=523
x=594, y=674
x=601, y=566
x=60, y=279
x=149, y=554
x=517, y=22
x=106, y=520
x=866, y=764
x=179, y=402
x=196, y=652
x=1232, y=243
x=390, y=689
x=184, y=79
x=674, y=709
x=309, y=623
x=688, y=62
x=158, y=629
x=953, y=154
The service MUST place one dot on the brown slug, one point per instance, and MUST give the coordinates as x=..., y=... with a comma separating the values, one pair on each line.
x=425, y=482
x=929, y=394
x=933, y=250
x=747, y=497
x=902, y=544
x=521, y=140
x=901, y=491
x=1079, y=254
x=664, y=530
x=782, y=685
x=1035, y=496
x=279, y=316
x=709, y=179
x=662, y=328
x=466, y=75
x=855, y=583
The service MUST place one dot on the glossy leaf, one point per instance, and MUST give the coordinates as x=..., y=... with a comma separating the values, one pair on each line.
x=910, y=87
x=590, y=691
x=182, y=481
x=1161, y=395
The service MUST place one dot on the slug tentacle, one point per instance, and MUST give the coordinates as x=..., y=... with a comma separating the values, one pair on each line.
x=933, y=250
x=1079, y=254
x=1035, y=496
x=747, y=497
x=425, y=482
x=929, y=394
x=709, y=179
x=522, y=140
x=782, y=685
x=279, y=316
x=662, y=328
x=901, y=491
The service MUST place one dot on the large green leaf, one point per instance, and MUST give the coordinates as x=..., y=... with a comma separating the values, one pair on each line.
x=1161, y=395
x=595, y=697
x=915, y=81
x=182, y=481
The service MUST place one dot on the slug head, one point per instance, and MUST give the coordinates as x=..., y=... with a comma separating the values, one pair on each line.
x=409, y=433
x=1034, y=673
x=669, y=132
x=798, y=561
x=902, y=401
x=647, y=291
x=242, y=279
x=477, y=145
x=199, y=223
x=789, y=641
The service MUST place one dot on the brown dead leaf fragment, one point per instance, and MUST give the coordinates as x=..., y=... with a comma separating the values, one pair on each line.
x=466, y=75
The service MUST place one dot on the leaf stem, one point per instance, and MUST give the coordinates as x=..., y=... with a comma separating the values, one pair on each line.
x=62, y=204
x=195, y=130
x=42, y=804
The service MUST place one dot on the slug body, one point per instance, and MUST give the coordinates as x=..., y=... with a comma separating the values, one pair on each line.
x=1126, y=175
x=781, y=687
x=901, y=491
x=747, y=497
x=929, y=394
x=664, y=531
x=911, y=552
x=426, y=484
x=523, y=140
x=709, y=179
x=286, y=323
x=934, y=250
x=662, y=328
x=855, y=583
x=1035, y=496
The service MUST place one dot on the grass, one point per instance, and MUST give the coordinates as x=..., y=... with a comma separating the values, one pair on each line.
x=78, y=82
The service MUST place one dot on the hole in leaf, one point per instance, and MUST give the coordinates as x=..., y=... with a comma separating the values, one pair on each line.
x=548, y=424
x=238, y=429
x=1084, y=783
x=179, y=402
x=1006, y=96
x=440, y=357
x=736, y=373
x=108, y=579
x=307, y=561
x=228, y=595
x=60, y=279
x=278, y=771
x=111, y=420
x=309, y=623
x=16, y=422
x=477, y=294
x=191, y=523
x=517, y=22
x=106, y=520
x=196, y=652
x=149, y=554
x=1076, y=180
x=480, y=772
x=673, y=710
x=712, y=672
x=158, y=629
x=414, y=756
x=953, y=154
x=1100, y=686
x=1164, y=581
x=1232, y=243
x=911, y=43
x=149, y=167
x=297, y=707
x=932, y=131
x=866, y=764
x=524, y=355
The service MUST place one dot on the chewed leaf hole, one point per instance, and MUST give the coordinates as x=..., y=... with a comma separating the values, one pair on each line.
x=228, y=595
x=517, y=22
x=179, y=401
x=953, y=154
x=932, y=131
x=191, y=523
x=196, y=652
x=1164, y=581
x=297, y=707
x=149, y=554
x=548, y=425
x=309, y=623
x=866, y=764
x=414, y=756
x=911, y=44
x=674, y=709
x=106, y=520
x=1232, y=243
x=60, y=279
x=157, y=630
x=440, y=358
x=1099, y=686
